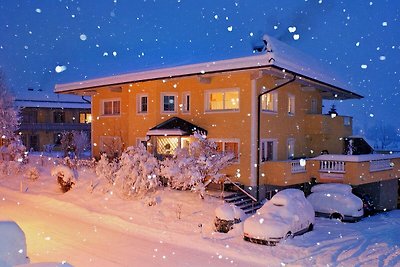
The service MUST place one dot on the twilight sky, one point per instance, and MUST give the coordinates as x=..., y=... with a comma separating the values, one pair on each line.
x=56, y=41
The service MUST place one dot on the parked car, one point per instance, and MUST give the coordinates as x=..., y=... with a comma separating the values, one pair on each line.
x=13, y=248
x=336, y=201
x=287, y=214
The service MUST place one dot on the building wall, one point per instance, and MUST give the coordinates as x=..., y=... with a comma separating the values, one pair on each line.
x=39, y=128
x=238, y=125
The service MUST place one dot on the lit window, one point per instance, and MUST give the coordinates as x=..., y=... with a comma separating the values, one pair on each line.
x=269, y=102
x=111, y=107
x=291, y=104
x=168, y=103
x=85, y=117
x=229, y=147
x=222, y=100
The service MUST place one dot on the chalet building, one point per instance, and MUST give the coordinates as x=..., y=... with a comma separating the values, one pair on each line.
x=265, y=108
x=44, y=117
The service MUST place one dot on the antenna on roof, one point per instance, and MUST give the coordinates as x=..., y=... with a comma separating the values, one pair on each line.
x=262, y=48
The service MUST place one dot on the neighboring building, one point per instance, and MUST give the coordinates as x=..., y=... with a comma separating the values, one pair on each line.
x=162, y=108
x=44, y=117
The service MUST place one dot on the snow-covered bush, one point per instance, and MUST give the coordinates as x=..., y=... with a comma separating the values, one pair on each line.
x=67, y=144
x=138, y=172
x=65, y=177
x=32, y=173
x=106, y=169
x=226, y=215
x=16, y=150
x=81, y=141
x=197, y=166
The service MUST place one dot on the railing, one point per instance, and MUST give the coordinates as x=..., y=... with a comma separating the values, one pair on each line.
x=297, y=167
x=54, y=126
x=380, y=165
x=332, y=166
x=241, y=189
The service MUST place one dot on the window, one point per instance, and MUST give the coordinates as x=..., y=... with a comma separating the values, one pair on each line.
x=269, y=102
x=186, y=103
x=222, y=100
x=291, y=104
x=314, y=109
x=168, y=103
x=141, y=141
x=347, y=121
x=142, y=104
x=290, y=148
x=59, y=117
x=85, y=117
x=57, y=138
x=268, y=149
x=112, y=107
x=29, y=116
x=111, y=145
x=229, y=147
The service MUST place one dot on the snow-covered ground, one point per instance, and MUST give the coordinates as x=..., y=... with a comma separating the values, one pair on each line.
x=86, y=227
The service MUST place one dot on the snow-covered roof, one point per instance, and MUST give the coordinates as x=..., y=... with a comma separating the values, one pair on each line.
x=277, y=57
x=40, y=99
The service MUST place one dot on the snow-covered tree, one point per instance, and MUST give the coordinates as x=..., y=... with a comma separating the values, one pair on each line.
x=106, y=169
x=9, y=115
x=81, y=141
x=73, y=143
x=138, y=172
x=196, y=167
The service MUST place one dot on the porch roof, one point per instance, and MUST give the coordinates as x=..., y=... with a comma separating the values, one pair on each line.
x=176, y=127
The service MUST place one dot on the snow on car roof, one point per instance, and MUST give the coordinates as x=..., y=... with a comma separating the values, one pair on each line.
x=331, y=188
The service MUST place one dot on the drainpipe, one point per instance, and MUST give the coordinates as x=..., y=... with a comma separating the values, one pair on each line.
x=259, y=128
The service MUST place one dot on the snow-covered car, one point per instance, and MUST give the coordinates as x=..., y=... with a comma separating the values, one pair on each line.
x=287, y=214
x=336, y=201
x=12, y=244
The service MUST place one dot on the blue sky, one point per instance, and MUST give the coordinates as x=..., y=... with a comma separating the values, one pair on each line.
x=359, y=39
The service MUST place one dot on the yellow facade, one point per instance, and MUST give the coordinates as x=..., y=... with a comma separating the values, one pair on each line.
x=309, y=131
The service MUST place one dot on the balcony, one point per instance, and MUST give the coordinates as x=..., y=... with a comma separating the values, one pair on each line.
x=354, y=169
x=348, y=169
x=56, y=127
x=325, y=124
x=283, y=173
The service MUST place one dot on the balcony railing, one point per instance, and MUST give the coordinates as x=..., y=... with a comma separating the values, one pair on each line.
x=332, y=166
x=54, y=126
x=297, y=167
x=380, y=165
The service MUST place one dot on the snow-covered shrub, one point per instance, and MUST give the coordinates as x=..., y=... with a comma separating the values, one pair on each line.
x=67, y=144
x=195, y=168
x=226, y=215
x=32, y=173
x=16, y=150
x=106, y=169
x=138, y=172
x=65, y=177
x=74, y=143
x=81, y=141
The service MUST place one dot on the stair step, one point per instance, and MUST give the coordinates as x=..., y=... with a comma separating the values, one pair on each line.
x=237, y=199
x=244, y=203
x=251, y=209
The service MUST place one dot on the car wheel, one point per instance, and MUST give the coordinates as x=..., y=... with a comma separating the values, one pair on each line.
x=336, y=216
x=310, y=227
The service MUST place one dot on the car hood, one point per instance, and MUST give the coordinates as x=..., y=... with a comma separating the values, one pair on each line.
x=263, y=228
